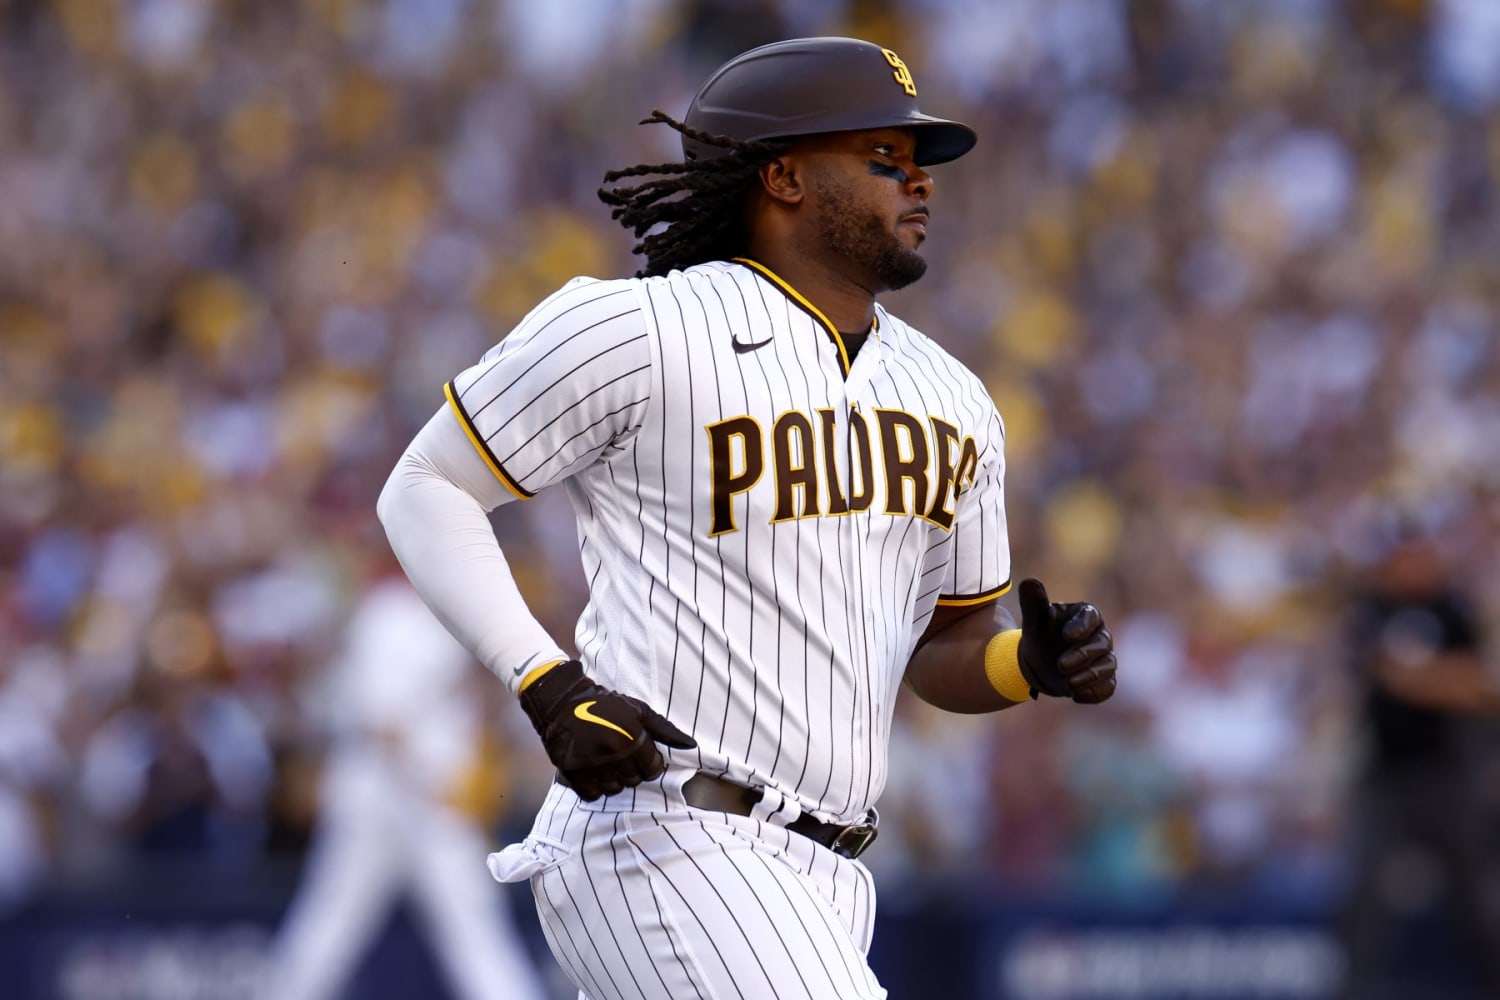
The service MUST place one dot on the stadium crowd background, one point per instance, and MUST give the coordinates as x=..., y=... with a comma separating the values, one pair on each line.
x=1231, y=271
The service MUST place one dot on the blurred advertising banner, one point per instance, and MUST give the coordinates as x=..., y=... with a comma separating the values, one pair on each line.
x=1189, y=960
x=1234, y=949
x=207, y=946
x=186, y=961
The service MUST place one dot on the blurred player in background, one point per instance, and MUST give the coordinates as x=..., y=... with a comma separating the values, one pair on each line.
x=410, y=772
x=1422, y=815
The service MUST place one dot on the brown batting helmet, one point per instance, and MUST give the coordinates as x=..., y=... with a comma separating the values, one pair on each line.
x=809, y=85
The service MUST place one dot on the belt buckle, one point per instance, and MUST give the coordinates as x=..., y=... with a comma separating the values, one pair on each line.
x=854, y=840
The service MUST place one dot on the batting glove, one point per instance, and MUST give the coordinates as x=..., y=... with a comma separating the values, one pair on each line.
x=1065, y=651
x=601, y=741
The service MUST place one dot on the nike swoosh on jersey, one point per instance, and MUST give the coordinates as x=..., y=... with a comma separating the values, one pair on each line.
x=740, y=348
x=582, y=711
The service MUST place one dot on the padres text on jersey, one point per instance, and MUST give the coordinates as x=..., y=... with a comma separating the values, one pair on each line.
x=766, y=527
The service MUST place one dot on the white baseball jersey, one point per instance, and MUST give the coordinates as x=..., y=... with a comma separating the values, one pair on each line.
x=766, y=528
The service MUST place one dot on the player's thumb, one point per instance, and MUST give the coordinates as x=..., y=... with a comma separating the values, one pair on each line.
x=1036, y=610
x=664, y=732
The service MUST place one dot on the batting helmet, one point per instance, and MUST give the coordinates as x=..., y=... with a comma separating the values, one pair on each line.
x=809, y=85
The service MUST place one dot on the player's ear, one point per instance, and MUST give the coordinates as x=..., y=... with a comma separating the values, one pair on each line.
x=781, y=179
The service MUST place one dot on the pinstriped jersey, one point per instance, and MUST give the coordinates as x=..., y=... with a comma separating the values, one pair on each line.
x=765, y=527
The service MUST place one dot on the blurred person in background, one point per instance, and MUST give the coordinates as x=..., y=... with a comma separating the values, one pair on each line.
x=412, y=777
x=183, y=767
x=1424, y=828
x=33, y=763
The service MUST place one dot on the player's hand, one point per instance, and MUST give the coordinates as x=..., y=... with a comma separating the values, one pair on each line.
x=1066, y=651
x=601, y=741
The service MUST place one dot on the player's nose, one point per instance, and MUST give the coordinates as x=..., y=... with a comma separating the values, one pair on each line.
x=919, y=183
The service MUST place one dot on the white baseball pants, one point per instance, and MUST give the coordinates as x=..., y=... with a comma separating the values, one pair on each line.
x=642, y=897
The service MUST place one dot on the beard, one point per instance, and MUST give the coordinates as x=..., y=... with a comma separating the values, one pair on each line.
x=864, y=238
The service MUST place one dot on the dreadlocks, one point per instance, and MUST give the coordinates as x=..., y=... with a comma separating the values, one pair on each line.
x=705, y=223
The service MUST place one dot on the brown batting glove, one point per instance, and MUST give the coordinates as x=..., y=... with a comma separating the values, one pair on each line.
x=601, y=741
x=1066, y=651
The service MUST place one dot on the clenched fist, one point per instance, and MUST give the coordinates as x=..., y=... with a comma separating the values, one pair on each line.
x=1066, y=651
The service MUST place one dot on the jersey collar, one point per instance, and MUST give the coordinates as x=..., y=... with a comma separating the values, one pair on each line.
x=807, y=307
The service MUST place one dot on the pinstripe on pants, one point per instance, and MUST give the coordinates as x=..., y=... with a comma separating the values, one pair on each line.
x=675, y=903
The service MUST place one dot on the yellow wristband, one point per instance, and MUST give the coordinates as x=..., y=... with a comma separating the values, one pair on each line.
x=1002, y=665
x=537, y=673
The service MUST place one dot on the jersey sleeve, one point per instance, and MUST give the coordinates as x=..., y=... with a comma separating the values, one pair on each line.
x=979, y=561
x=571, y=382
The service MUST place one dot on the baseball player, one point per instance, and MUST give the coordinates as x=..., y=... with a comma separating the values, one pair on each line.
x=389, y=822
x=789, y=503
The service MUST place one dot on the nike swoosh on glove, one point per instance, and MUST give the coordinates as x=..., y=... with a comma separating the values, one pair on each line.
x=600, y=740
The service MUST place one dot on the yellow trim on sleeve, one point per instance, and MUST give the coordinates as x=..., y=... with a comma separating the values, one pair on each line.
x=967, y=602
x=481, y=447
x=536, y=674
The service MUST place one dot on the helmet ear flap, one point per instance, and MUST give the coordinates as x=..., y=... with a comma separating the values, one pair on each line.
x=809, y=85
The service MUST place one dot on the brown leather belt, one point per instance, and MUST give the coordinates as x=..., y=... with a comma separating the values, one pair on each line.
x=706, y=791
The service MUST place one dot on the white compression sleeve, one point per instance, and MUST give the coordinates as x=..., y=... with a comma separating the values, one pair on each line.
x=433, y=508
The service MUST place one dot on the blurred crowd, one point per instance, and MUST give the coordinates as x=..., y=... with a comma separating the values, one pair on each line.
x=1231, y=270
